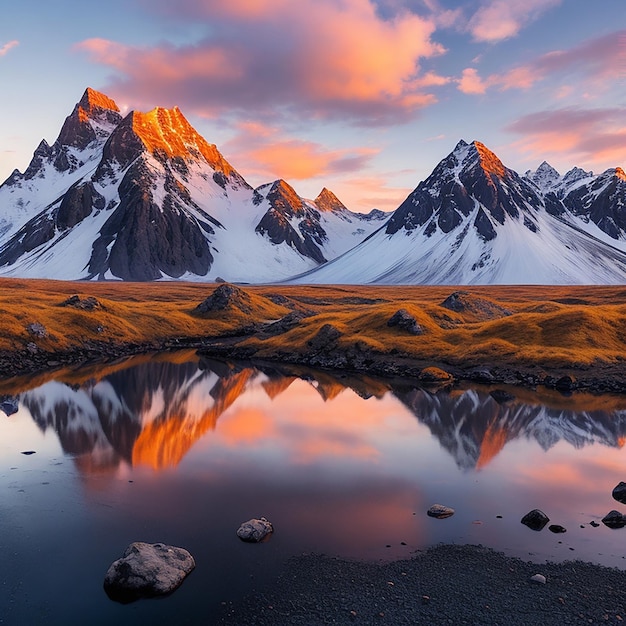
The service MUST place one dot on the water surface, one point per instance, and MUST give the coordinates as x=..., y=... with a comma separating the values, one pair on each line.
x=180, y=451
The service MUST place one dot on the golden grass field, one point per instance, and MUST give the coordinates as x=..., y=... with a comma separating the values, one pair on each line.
x=577, y=328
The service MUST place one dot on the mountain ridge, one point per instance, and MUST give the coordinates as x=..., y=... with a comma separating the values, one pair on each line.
x=145, y=197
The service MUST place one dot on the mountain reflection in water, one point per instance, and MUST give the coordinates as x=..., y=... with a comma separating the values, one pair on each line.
x=180, y=450
x=153, y=413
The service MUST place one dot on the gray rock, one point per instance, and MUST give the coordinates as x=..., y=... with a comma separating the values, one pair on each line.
x=619, y=492
x=224, y=297
x=86, y=304
x=535, y=519
x=614, y=519
x=255, y=530
x=405, y=321
x=539, y=579
x=147, y=570
x=37, y=330
x=440, y=511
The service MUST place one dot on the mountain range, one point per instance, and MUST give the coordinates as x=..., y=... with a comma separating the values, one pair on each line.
x=145, y=197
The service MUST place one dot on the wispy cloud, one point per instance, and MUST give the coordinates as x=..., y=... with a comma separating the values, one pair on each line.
x=496, y=20
x=599, y=61
x=8, y=46
x=267, y=153
x=591, y=137
x=315, y=59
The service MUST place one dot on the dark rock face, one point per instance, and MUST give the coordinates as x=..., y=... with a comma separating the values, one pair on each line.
x=325, y=339
x=33, y=234
x=501, y=396
x=77, y=204
x=405, y=321
x=224, y=297
x=147, y=570
x=535, y=520
x=619, y=492
x=614, y=519
x=285, y=205
x=77, y=131
x=147, y=241
x=603, y=201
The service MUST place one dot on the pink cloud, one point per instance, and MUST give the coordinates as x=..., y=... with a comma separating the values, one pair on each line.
x=8, y=46
x=263, y=151
x=323, y=59
x=600, y=62
x=496, y=20
x=471, y=83
x=595, y=138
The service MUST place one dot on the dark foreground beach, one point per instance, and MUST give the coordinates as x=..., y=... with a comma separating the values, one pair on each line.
x=447, y=584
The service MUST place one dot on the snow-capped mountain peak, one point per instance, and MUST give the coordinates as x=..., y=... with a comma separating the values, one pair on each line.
x=545, y=177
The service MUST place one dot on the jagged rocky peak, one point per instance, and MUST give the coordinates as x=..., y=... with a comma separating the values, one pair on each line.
x=283, y=198
x=328, y=201
x=167, y=131
x=545, y=177
x=471, y=179
x=93, y=117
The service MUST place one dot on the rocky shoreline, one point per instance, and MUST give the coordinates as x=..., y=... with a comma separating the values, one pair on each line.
x=447, y=584
x=602, y=378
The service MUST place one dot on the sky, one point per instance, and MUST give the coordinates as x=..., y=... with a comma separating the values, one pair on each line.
x=364, y=97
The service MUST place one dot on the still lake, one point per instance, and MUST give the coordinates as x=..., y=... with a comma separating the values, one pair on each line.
x=180, y=450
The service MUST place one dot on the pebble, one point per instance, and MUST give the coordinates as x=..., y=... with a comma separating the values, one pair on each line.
x=539, y=579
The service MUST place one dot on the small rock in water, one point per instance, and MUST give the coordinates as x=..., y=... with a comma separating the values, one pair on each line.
x=539, y=579
x=255, y=530
x=28, y=452
x=614, y=519
x=555, y=528
x=535, y=519
x=440, y=511
x=594, y=523
x=619, y=492
x=147, y=570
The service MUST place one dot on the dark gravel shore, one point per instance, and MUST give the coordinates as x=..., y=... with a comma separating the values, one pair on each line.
x=447, y=584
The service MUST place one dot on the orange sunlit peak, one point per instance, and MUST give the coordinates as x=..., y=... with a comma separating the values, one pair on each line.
x=619, y=172
x=489, y=161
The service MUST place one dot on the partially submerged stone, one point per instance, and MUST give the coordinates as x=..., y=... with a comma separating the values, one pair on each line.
x=255, y=530
x=535, y=519
x=619, y=492
x=440, y=511
x=614, y=519
x=147, y=570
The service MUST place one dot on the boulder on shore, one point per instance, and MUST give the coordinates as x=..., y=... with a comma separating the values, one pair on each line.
x=147, y=570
